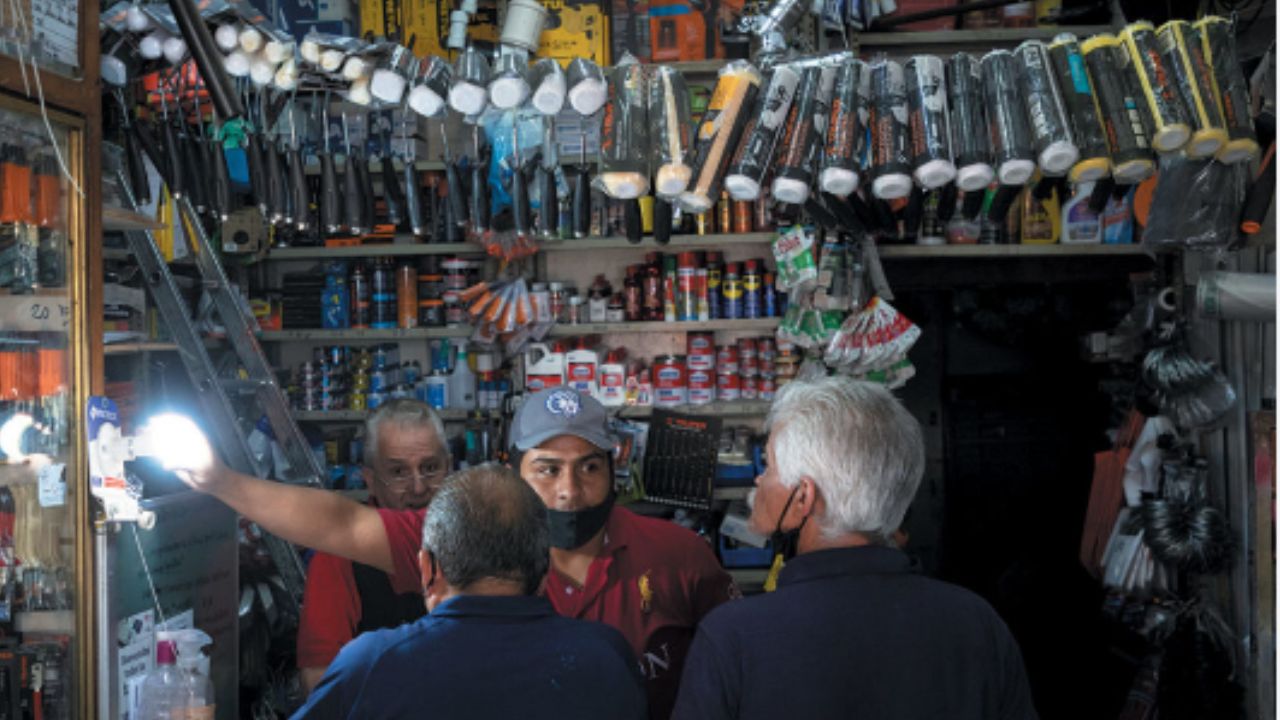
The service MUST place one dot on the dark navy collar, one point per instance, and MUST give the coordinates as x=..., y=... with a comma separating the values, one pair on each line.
x=493, y=606
x=863, y=560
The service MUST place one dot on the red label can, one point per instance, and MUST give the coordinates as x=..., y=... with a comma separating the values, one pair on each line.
x=670, y=382
x=750, y=388
x=768, y=388
x=702, y=387
x=747, y=349
x=749, y=367
x=702, y=351
x=728, y=386
x=727, y=359
x=767, y=348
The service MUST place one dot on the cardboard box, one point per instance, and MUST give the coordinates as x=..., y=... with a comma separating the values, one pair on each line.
x=428, y=25
x=629, y=29
x=575, y=29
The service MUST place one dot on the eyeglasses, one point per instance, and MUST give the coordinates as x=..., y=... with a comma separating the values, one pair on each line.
x=400, y=479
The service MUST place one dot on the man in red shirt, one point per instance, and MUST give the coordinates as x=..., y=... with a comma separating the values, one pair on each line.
x=650, y=579
x=405, y=461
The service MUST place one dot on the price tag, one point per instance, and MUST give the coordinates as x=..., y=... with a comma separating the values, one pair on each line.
x=53, y=485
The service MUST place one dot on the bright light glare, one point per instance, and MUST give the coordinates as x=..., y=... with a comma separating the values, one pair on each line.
x=11, y=433
x=176, y=442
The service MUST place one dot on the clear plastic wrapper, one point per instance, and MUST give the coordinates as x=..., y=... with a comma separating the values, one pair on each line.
x=1216, y=36
x=846, y=129
x=672, y=125
x=890, y=134
x=1076, y=90
x=718, y=134
x=1109, y=69
x=1197, y=203
x=970, y=138
x=469, y=92
x=588, y=90
x=793, y=250
x=1007, y=115
x=509, y=86
x=1194, y=78
x=1171, y=122
x=1056, y=151
x=765, y=128
x=624, y=134
x=549, y=87
x=930, y=131
x=803, y=140
x=430, y=93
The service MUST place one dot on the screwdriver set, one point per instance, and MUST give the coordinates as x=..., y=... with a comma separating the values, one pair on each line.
x=680, y=459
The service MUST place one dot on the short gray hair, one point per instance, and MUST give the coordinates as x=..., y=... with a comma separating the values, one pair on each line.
x=402, y=411
x=486, y=522
x=857, y=443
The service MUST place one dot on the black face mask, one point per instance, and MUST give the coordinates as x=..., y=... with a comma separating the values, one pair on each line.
x=571, y=529
x=785, y=541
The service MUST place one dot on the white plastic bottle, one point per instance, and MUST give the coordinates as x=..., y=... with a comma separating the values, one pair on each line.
x=462, y=382
x=194, y=664
x=164, y=691
x=1080, y=226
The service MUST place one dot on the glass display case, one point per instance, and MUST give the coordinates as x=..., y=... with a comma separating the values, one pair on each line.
x=44, y=547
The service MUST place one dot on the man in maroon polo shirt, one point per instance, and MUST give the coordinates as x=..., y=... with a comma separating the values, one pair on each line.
x=405, y=461
x=650, y=579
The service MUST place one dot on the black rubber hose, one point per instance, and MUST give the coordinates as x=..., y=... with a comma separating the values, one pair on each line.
x=151, y=146
x=136, y=167
x=257, y=173
x=193, y=166
x=208, y=59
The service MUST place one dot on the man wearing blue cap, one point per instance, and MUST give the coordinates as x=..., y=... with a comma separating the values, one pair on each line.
x=650, y=579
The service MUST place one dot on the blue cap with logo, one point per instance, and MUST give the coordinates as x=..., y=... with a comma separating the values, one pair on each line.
x=560, y=411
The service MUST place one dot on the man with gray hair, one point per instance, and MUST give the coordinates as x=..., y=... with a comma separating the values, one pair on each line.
x=850, y=631
x=405, y=460
x=490, y=647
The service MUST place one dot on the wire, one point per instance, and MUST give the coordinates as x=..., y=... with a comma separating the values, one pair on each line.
x=146, y=570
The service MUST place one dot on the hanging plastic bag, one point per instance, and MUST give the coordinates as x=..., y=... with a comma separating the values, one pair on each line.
x=1196, y=203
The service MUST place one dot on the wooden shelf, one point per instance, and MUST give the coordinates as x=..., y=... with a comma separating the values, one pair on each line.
x=358, y=416
x=758, y=324
x=699, y=67
x=132, y=348
x=349, y=335
x=59, y=622
x=984, y=37
x=908, y=252
x=683, y=242
x=737, y=408
x=375, y=250
x=120, y=220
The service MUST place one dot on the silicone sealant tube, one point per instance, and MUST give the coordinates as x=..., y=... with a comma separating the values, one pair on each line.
x=1094, y=162
x=624, y=135
x=588, y=90
x=1217, y=39
x=470, y=82
x=670, y=117
x=1194, y=79
x=430, y=93
x=1007, y=117
x=1108, y=63
x=1171, y=124
x=890, y=136
x=549, y=87
x=804, y=138
x=768, y=123
x=930, y=125
x=846, y=129
x=1056, y=149
x=970, y=138
x=718, y=133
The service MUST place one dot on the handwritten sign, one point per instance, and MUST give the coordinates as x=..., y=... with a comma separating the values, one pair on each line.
x=35, y=313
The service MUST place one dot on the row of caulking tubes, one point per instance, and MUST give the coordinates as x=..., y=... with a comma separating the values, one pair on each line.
x=1079, y=112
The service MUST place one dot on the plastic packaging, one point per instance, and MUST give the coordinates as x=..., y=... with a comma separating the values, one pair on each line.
x=549, y=87
x=1117, y=219
x=846, y=129
x=1217, y=40
x=470, y=82
x=803, y=139
x=768, y=122
x=1196, y=203
x=1010, y=129
x=624, y=134
x=1109, y=69
x=1041, y=218
x=1171, y=122
x=1076, y=90
x=588, y=90
x=797, y=267
x=462, y=381
x=930, y=124
x=970, y=138
x=670, y=117
x=509, y=86
x=890, y=136
x=1191, y=73
x=1056, y=149
x=718, y=133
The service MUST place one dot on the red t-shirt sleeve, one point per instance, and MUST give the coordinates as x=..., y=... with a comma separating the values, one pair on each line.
x=707, y=583
x=404, y=537
x=330, y=611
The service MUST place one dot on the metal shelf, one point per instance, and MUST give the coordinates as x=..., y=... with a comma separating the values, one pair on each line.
x=120, y=220
x=1003, y=251
x=358, y=416
x=686, y=242
x=758, y=324
x=348, y=335
x=988, y=36
x=134, y=348
x=375, y=250
x=738, y=408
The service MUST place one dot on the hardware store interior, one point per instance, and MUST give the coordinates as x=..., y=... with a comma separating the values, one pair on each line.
x=637, y=358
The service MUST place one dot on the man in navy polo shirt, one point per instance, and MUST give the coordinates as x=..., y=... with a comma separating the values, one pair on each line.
x=490, y=647
x=850, y=632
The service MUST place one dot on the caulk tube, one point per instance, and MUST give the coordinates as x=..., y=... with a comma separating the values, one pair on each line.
x=1171, y=121
x=1056, y=150
x=430, y=94
x=718, y=133
x=970, y=137
x=670, y=119
x=1217, y=38
x=509, y=87
x=624, y=134
x=846, y=129
x=587, y=87
x=391, y=74
x=549, y=88
x=470, y=80
x=1131, y=159
x=1194, y=78
x=1069, y=68
x=1007, y=108
x=768, y=123
x=803, y=140
x=930, y=132
x=890, y=141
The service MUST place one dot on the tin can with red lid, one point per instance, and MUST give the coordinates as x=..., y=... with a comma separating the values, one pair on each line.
x=728, y=386
x=747, y=348
x=727, y=359
x=750, y=387
x=768, y=388
x=702, y=387
x=767, y=348
x=670, y=381
x=702, y=351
